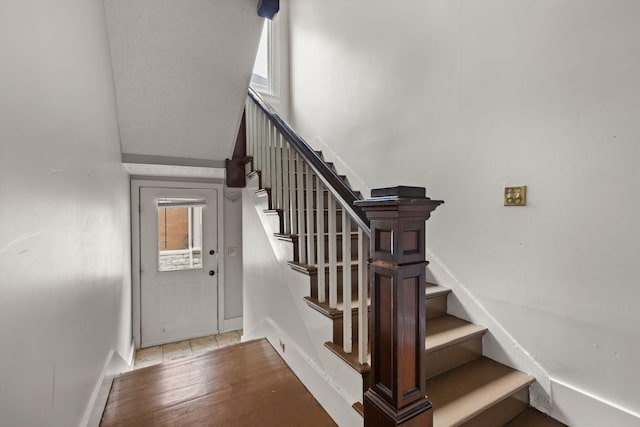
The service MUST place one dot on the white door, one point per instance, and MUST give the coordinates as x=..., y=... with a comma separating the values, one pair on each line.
x=179, y=262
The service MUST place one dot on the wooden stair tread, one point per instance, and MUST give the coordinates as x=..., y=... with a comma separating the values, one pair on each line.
x=306, y=268
x=446, y=330
x=432, y=290
x=464, y=392
x=350, y=358
x=534, y=418
x=325, y=309
x=290, y=236
x=286, y=236
x=359, y=408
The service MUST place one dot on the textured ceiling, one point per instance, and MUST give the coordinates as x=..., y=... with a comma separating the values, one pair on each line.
x=181, y=71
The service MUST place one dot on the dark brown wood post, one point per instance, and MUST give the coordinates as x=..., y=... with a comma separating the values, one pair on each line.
x=236, y=173
x=397, y=277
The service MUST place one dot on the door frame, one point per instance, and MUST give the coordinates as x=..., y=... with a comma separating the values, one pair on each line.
x=136, y=184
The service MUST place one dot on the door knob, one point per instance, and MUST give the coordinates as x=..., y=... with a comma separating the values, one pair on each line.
x=211, y=272
x=211, y=252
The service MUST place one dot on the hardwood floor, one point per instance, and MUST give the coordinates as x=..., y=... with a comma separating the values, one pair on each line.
x=247, y=384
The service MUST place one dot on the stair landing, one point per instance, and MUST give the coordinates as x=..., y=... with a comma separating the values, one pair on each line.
x=247, y=384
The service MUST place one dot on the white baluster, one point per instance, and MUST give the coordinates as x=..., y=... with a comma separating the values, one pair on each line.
x=363, y=298
x=293, y=200
x=261, y=136
x=272, y=166
x=278, y=168
x=269, y=156
x=285, y=186
x=346, y=282
x=301, y=219
x=322, y=289
x=333, y=253
x=311, y=257
x=254, y=127
x=247, y=109
x=256, y=141
x=265, y=152
x=252, y=130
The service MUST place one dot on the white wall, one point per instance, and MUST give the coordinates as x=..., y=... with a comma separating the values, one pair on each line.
x=64, y=209
x=466, y=97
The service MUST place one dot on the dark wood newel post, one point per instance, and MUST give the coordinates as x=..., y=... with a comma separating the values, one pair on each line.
x=397, y=278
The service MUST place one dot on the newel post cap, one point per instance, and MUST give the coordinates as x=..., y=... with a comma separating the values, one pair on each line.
x=402, y=191
x=401, y=195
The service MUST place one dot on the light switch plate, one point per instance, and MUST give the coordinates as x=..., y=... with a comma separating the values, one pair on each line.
x=232, y=251
x=515, y=196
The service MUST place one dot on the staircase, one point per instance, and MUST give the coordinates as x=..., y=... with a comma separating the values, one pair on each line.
x=463, y=386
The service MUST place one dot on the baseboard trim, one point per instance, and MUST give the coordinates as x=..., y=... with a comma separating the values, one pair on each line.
x=114, y=365
x=498, y=344
x=576, y=407
x=562, y=401
x=232, y=324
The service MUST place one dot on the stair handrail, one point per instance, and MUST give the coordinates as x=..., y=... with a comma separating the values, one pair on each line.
x=390, y=268
x=343, y=194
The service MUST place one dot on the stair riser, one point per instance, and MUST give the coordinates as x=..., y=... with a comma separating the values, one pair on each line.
x=325, y=222
x=354, y=247
x=280, y=219
x=354, y=285
x=314, y=191
x=453, y=356
x=314, y=195
x=436, y=306
x=338, y=332
x=502, y=412
x=304, y=174
x=314, y=184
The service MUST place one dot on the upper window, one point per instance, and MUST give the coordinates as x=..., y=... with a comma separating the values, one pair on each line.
x=261, y=79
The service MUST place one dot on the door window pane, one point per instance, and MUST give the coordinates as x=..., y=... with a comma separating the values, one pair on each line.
x=179, y=234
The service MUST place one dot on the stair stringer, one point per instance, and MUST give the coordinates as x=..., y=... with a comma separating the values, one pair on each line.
x=498, y=343
x=275, y=308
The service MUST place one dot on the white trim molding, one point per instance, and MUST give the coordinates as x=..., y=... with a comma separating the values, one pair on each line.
x=564, y=402
x=232, y=324
x=278, y=92
x=115, y=364
x=576, y=407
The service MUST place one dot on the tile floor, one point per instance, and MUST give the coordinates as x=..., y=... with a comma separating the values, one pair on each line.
x=164, y=353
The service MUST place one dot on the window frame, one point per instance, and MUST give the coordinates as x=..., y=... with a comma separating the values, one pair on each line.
x=272, y=89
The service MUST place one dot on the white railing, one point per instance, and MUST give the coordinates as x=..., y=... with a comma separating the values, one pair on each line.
x=294, y=174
